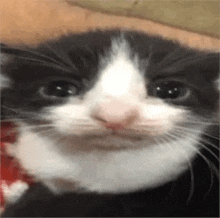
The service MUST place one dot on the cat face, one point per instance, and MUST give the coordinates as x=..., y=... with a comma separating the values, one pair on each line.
x=109, y=111
x=117, y=105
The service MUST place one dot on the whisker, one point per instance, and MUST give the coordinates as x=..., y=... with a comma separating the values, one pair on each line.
x=200, y=122
x=192, y=183
x=202, y=139
x=65, y=61
x=11, y=120
x=144, y=127
x=213, y=168
x=197, y=151
x=17, y=110
x=210, y=165
x=209, y=143
x=193, y=130
x=20, y=115
x=22, y=52
x=47, y=64
x=11, y=109
x=202, y=145
x=48, y=131
x=201, y=118
x=39, y=61
x=36, y=126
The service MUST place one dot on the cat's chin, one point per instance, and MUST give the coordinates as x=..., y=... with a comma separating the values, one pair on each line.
x=97, y=165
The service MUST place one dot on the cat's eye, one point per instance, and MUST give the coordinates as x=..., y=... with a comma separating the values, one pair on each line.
x=60, y=89
x=170, y=90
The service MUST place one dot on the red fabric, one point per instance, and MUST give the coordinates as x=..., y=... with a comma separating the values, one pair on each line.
x=10, y=169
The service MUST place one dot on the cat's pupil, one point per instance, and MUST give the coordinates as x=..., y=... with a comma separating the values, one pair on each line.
x=170, y=90
x=59, y=89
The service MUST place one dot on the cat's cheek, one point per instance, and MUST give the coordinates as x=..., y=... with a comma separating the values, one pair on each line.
x=161, y=118
x=67, y=119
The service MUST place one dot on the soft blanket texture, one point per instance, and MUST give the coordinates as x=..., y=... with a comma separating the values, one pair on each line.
x=196, y=16
x=31, y=21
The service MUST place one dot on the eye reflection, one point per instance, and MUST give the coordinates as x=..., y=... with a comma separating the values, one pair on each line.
x=170, y=90
x=61, y=89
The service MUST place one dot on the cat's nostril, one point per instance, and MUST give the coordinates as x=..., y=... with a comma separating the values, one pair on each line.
x=115, y=115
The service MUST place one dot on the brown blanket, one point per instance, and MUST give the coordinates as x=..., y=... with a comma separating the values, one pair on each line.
x=31, y=21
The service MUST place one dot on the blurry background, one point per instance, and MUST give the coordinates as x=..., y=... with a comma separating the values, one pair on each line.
x=192, y=22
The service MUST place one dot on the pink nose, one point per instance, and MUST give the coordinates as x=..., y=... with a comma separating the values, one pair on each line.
x=116, y=114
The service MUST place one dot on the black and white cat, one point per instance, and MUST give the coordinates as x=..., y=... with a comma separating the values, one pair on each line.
x=112, y=115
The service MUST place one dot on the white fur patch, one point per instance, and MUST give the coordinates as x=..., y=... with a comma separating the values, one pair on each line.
x=101, y=171
x=121, y=75
x=14, y=192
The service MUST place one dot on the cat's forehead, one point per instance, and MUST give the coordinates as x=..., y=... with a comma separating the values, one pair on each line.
x=119, y=72
x=155, y=55
x=89, y=54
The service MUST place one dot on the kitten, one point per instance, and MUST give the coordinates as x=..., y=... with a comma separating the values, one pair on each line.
x=113, y=112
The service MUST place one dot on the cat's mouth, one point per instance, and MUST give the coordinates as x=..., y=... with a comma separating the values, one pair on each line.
x=112, y=141
x=108, y=140
x=115, y=135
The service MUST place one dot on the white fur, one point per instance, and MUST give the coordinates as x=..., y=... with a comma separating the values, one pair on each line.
x=98, y=163
x=13, y=192
x=101, y=171
x=121, y=75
